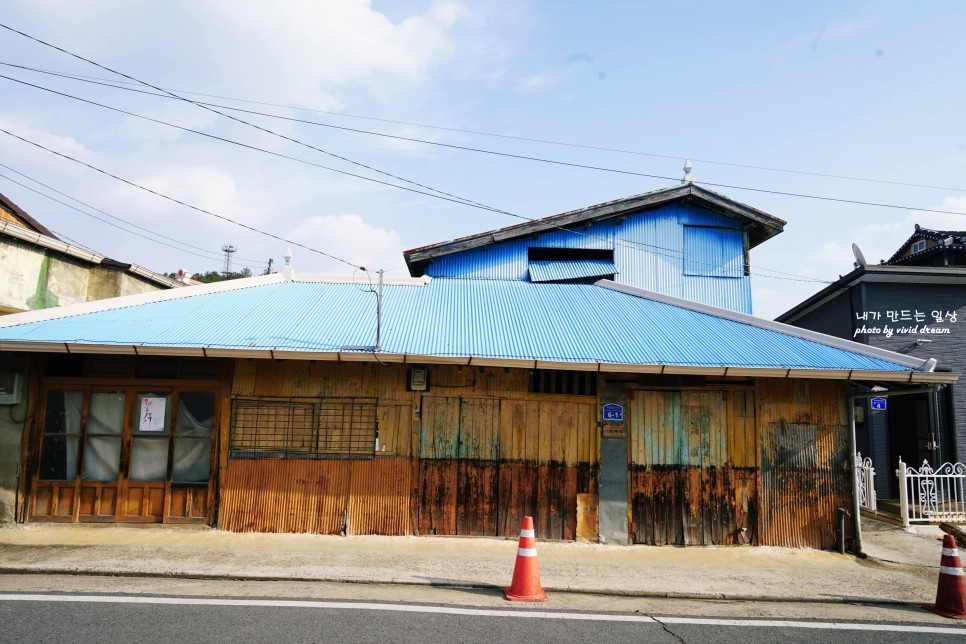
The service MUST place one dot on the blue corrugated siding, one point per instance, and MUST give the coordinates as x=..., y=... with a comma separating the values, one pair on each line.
x=713, y=252
x=649, y=253
x=450, y=317
x=555, y=270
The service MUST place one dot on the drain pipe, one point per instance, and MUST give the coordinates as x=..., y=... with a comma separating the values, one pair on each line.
x=856, y=507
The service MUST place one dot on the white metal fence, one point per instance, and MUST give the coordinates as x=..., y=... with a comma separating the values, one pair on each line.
x=928, y=495
x=864, y=479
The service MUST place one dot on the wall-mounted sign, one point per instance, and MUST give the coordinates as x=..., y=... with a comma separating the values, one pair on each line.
x=151, y=418
x=614, y=430
x=878, y=403
x=613, y=413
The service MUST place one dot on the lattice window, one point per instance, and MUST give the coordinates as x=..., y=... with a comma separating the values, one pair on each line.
x=325, y=428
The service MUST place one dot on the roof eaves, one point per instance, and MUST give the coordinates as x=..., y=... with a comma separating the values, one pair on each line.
x=10, y=206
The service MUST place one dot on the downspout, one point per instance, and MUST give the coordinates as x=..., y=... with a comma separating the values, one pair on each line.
x=856, y=507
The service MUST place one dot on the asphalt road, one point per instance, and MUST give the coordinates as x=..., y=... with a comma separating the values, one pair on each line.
x=49, y=609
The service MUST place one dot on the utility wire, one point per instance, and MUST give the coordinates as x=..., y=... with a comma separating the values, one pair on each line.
x=228, y=116
x=211, y=255
x=179, y=202
x=119, y=85
x=483, y=151
x=676, y=254
x=451, y=198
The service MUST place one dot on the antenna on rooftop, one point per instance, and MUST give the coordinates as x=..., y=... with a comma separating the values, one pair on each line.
x=687, y=172
x=228, y=250
x=859, y=257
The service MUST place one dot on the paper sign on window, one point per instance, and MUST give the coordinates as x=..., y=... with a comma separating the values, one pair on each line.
x=152, y=415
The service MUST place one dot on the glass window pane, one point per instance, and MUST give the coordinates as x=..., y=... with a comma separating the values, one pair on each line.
x=58, y=460
x=151, y=413
x=192, y=458
x=63, y=412
x=196, y=410
x=149, y=459
x=106, y=414
x=102, y=458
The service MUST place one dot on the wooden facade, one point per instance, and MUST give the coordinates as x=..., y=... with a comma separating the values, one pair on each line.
x=347, y=448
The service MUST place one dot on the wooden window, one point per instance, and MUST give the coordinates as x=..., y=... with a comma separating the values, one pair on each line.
x=192, y=437
x=61, y=436
x=323, y=428
x=574, y=383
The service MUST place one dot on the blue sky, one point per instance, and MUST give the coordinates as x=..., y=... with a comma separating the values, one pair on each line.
x=862, y=89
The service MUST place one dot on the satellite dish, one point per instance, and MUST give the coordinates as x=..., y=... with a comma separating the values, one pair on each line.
x=859, y=257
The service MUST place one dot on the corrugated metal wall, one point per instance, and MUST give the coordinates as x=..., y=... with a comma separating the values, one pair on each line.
x=805, y=475
x=692, y=467
x=649, y=252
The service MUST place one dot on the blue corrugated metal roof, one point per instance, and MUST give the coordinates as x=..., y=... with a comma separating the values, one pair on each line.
x=577, y=323
x=574, y=269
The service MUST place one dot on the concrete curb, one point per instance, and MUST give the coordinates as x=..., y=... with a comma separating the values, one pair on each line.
x=804, y=599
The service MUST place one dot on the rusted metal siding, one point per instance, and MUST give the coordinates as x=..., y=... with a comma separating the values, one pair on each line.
x=491, y=499
x=692, y=478
x=485, y=463
x=309, y=495
x=805, y=472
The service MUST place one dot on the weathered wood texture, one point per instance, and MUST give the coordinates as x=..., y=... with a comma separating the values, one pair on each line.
x=317, y=495
x=487, y=498
x=805, y=472
x=692, y=477
x=693, y=506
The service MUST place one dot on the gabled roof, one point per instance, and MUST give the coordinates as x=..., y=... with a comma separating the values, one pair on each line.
x=945, y=238
x=591, y=327
x=759, y=224
x=21, y=217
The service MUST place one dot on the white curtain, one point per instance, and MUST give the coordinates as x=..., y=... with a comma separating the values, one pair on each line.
x=105, y=423
x=192, y=451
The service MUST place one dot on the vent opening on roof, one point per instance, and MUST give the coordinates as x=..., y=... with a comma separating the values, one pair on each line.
x=563, y=254
x=580, y=265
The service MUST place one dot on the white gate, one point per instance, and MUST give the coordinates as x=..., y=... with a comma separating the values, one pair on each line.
x=864, y=474
x=927, y=495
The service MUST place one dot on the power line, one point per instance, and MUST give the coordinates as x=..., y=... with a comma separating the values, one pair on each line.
x=625, y=243
x=452, y=198
x=466, y=202
x=463, y=200
x=118, y=85
x=228, y=116
x=178, y=201
x=213, y=256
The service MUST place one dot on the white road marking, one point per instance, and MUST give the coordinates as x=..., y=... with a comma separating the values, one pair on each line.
x=479, y=612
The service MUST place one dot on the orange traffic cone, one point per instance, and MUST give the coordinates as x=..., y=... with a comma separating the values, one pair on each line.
x=951, y=594
x=525, y=586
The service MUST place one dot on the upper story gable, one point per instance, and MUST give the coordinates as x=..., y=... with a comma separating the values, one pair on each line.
x=927, y=247
x=685, y=241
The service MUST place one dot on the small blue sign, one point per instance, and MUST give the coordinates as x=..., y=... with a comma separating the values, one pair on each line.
x=613, y=412
x=878, y=403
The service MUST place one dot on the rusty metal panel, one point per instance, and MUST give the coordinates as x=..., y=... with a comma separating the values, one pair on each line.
x=379, y=496
x=804, y=462
x=587, y=522
x=311, y=495
x=693, y=506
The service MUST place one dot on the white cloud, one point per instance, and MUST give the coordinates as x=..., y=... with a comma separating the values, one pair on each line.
x=347, y=237
x=311, y=49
